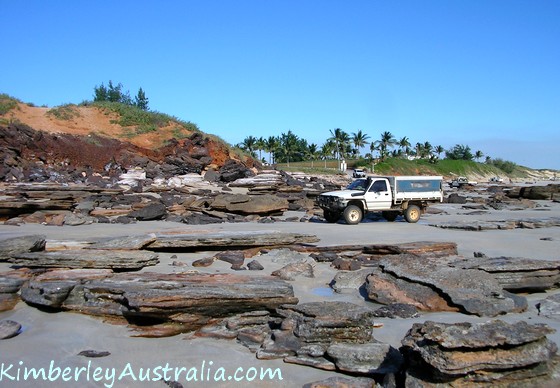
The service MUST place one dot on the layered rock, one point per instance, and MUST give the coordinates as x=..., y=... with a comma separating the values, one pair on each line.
x=431, y=285
x=249, y=204
x=331, y=336
x=516, y=274
x=11, y=246
x=169, y=303
x=230, y=239
x=84, y=258
x=494, y=353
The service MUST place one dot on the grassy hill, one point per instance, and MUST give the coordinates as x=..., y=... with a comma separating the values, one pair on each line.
x=446, y=167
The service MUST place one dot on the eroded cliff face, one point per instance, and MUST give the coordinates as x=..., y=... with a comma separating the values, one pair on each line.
x=28, y=155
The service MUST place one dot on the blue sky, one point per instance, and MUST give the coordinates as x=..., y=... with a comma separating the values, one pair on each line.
x=485, y=73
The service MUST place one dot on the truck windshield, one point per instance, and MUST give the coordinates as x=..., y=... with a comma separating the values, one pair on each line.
x=358, y=184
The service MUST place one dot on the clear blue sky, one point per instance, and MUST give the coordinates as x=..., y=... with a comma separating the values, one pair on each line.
x=485, y=73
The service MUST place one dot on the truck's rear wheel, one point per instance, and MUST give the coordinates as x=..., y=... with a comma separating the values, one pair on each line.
x=390, y=215
x=330, y=216
x=353, y=215
x=412, y=214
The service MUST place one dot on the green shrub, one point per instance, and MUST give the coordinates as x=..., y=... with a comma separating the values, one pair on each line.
x=64, y=112
x=7, y=103
x=504, y=165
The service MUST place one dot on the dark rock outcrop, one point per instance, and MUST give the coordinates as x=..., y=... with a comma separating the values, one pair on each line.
x=494, y=353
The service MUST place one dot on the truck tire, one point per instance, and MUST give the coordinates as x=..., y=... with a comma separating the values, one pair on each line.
x=390, y=215
x=412, y=214
x=353, y=215
x=330, y=216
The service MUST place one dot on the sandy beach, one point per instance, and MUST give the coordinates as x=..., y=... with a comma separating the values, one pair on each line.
x=51, y=340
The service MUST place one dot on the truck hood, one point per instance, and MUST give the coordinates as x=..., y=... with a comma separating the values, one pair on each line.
x=346, y=194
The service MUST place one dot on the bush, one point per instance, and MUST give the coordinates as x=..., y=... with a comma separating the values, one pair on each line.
x=504, y=165
x=64, y=112
x=7, y=103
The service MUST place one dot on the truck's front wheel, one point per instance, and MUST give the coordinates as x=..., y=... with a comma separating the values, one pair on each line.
x=412, y=214
x=352, y=215
x=330, y=216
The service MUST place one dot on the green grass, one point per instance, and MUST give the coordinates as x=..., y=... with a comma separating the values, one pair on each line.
x=399, y=166
x=64, y=112
x=7, y=103
x=144, y=121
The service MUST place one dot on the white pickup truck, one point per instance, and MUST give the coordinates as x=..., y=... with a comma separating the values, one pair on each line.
x=391, y=195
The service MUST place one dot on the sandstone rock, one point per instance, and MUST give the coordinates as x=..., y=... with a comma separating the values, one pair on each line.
x=179, y=302
x=230, y=239
x=397, y=310
x=153, y=211
x=86, y=258
x=494, y=352
x=516, y=274
x=472, y=291
x=124, y=242
x=327, y=322
x=254, y=265
x=235, y=258
x=232, y=170
x=550, y=191
x=10, y=284
x=250, y=204
x=9, y=329
x=10, y=246
x=368, y=358
x=350, y=280
x=293, y=270
x=550, y=307
x=94, y=353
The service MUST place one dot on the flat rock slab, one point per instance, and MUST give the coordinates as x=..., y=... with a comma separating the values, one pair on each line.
x=187, y=301
x=125, y=242
x=10, y=246
x=9, y=329
x=516, y=274
x=465, y=353
x=86, y=258
x=472, y=291
x=229, y=240
x=525, y=223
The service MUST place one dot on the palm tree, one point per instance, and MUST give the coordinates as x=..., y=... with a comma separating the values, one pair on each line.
x=387, y=141
x=427, y=148
x=271, y=146
x=439, y=150
x=288, y=144
x=341, y=140
x=248, y=144
x=327, y=150
x=404, y=145
x=478, y=155
x=259, y=146
x=360, y=140
x=312, y=152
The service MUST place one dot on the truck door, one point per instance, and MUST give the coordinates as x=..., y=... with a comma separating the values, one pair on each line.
x=379, y=195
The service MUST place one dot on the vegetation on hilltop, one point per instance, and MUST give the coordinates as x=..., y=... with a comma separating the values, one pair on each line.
x=387, y=155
